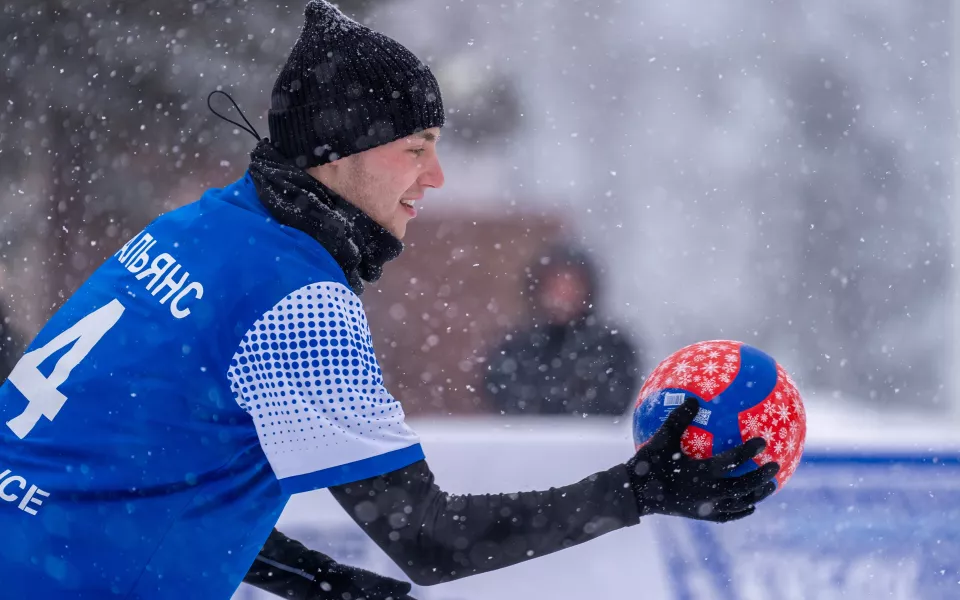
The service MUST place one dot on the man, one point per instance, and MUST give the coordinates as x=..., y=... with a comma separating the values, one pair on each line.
x=221, y=361
x=566, y=358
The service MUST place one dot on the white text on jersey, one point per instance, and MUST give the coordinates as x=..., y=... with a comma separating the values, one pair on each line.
x=9, y=492
x=163, y=270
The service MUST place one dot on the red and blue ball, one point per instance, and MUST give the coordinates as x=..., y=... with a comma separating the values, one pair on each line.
x=743, y=393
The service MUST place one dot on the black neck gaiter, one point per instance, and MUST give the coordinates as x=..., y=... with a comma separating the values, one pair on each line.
x=294, y=198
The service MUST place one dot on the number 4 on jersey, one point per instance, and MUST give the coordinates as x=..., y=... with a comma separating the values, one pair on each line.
x=43, y=397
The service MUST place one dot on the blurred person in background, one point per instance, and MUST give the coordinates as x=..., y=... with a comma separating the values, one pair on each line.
x=221, y=361
x=566, y=358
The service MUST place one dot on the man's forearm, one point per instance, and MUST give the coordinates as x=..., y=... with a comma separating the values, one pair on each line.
x=435, y=537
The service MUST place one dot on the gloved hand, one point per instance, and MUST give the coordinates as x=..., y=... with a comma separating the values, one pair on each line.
x=288, y=569
x=666, y=481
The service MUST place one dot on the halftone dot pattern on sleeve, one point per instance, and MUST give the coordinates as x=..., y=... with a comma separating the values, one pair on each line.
x=307, y=374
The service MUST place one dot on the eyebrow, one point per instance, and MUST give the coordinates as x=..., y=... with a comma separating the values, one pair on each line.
x=427, y=135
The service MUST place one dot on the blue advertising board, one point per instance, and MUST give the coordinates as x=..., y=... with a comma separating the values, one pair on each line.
x=852, y=527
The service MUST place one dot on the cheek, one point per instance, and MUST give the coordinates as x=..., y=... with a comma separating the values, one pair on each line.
x=383, y=192
x=384, y=197
x=391, y=190
x=400, y=174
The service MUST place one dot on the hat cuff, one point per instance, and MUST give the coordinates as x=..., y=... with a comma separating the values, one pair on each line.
x=317, y=133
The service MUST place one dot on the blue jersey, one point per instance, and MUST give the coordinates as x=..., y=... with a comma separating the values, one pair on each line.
x=154, y=430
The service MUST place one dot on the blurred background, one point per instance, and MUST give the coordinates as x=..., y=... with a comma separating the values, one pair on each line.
x=623, y=179
x=777, y=172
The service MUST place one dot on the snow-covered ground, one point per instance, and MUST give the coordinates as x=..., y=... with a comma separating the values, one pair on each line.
x=846, y=528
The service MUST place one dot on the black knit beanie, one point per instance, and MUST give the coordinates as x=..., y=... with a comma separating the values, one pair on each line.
x=346, y=88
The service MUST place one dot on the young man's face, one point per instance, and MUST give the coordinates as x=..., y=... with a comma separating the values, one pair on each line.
x=385, y=182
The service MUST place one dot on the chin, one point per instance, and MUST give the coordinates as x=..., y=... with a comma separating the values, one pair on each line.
x=399, y=230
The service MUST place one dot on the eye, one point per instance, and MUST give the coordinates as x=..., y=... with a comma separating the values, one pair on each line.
x=417, y=151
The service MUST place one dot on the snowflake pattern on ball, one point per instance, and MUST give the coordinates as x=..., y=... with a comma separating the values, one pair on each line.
x=697, y=443
x=751, y=426
x=781, y=420
x=307, y=374
x=704, y=369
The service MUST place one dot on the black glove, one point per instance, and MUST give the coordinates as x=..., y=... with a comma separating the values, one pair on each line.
x=288, y=569
x=343, y=582
x=666, y=481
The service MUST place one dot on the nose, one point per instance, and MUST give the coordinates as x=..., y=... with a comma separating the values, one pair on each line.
x=432, y=175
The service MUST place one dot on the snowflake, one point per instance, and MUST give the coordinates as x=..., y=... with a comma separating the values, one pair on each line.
x=731, y=358
x=770, y=412
x=683, y=367
x=699, y=358
x=783, y=411
x=782, y=433
x=729, y=368
x=751, y=424
x=767, y=434
x=763, y=459
x=725, y=378
x=697, y=443
x=778, y=448
x=696, y=378
x=713, y=354
x=684, y=378
x=686, y=355
x=778, y=395
x=709, y=385
x=763, y=417
x=711, y=368
x=798, y=406
x=791, y=445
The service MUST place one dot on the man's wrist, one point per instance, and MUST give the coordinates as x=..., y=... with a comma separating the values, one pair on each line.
x=645, y=496
x=629, y=508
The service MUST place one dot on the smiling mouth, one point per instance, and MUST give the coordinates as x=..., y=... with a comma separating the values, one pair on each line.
x=409, y=207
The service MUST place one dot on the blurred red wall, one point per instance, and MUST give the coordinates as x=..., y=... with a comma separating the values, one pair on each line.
x=453, y=293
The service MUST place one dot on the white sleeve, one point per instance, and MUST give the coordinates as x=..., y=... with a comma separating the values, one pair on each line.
x=307, y=374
